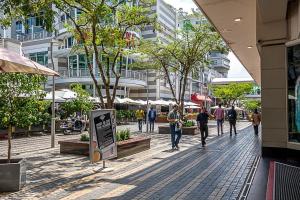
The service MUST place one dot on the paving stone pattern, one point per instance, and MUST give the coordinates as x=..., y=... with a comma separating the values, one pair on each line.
x=217, y=171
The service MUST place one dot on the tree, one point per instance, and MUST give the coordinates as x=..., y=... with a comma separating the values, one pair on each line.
x=19, y=94
x=81, y=104
x=101, y=29
x=232, y=92
x=250, y=105
x=185, y=56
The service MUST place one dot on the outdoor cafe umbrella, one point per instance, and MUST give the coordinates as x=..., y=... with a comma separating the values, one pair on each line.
x=66, y=94
x=13, y=62
x=57, y=98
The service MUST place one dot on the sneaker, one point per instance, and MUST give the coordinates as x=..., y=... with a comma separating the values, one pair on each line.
x=177, y=147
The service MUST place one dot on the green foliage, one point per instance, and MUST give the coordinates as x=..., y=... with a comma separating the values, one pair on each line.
x=20, y=99
x=232, y=92
x=123, y=135
x=250, y=105
x=188, y=123
x=81, y=103
x=184, y=56
x=125, y=114
x=100, y=29
x=84, y=137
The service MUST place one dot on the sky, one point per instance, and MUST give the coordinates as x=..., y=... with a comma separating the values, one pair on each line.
x=237, y=70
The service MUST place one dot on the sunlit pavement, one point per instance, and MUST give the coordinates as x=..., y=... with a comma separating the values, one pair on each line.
x=217, y=172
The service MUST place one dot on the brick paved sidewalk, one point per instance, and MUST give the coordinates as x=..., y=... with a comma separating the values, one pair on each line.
x=216, y=172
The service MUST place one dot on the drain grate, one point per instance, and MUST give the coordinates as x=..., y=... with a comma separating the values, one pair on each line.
x=287, y=182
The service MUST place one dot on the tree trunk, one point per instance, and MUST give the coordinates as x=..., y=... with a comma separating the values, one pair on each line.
x=9, y=143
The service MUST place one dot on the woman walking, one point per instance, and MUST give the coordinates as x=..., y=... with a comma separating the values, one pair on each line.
x=256, y=119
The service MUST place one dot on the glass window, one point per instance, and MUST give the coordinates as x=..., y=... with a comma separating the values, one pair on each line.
x=40, y=57
x=294, y=93
x=73, y=65
x=82, y=62
x=19, y=26
x=70, y=41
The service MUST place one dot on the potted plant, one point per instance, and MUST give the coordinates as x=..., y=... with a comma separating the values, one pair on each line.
x=18, y=94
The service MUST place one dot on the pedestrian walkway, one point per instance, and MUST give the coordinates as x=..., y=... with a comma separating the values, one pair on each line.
x=217, y=171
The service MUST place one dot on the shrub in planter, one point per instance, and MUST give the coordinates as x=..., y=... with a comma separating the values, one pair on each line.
x=123, y=135
x=84, y=138
x=16, y=109
x=188, y=123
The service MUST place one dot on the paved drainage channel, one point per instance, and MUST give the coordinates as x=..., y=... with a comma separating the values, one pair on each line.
x=247, y=185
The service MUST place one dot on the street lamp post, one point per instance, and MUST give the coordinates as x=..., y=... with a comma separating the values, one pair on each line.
x=53, y=100
x=147, y=120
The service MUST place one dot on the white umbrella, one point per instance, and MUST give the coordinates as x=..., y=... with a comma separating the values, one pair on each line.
x=13, y=62
x=190, y=104
x=66, y=94
x=192, y=107
x=141, y=102
x=215, y=107
x=56, y=98
x=161, y=102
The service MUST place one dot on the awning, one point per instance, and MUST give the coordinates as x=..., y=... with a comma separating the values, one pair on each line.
x=198, y=98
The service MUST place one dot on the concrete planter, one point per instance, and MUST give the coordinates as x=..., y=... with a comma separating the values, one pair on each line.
x=132, y=146
x=185, y=130
x=161, y=119
x=13, y=175
x=124, y=148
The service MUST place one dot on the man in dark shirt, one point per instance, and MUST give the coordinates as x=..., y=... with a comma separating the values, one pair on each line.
x=202, y=120
x=232, y=116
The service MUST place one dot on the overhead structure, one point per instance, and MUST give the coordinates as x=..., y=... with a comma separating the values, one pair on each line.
x=13, y=62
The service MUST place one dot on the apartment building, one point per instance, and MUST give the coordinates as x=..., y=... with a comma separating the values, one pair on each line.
x=36, y=44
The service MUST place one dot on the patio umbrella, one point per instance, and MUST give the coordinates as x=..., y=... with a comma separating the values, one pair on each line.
x=66, y=94
x=56, y=98
x=215, y=107
x=190, y=104
x=192, y=107
x=13, y=62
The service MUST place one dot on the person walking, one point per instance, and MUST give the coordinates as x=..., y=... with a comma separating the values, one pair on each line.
x=219, y=115
x=151, y=118
x=232, y=116
x=256, y=119
x=202, y=120
x=175, y=127
x=139, y=114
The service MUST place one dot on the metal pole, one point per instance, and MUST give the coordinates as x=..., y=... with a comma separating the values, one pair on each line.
x=147, y=120
x=53, y=100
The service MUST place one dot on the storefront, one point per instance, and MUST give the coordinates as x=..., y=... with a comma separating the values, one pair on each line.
x=264, y=36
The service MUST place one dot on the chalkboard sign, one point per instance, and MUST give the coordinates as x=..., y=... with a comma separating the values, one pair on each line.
x=104, y=131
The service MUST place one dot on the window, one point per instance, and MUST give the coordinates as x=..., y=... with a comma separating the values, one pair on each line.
x=294, y=93
x=18, y=26
x=73, y=65
x=40, y=57
x=70, y=42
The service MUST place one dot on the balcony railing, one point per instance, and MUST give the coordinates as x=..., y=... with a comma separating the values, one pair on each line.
x=33, y=36
x=84, y=73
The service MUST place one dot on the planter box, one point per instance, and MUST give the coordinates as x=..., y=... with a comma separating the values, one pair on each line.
x=160, y=119
x=132, y=146
x=124, y=148
x=185, y=130
x=13, y=175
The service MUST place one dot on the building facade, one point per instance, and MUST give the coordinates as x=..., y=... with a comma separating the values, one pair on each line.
x=136, y=84
x=264, y=35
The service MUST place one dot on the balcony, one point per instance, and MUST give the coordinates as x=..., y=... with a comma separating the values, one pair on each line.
x=129, y=78
x=33, y=36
